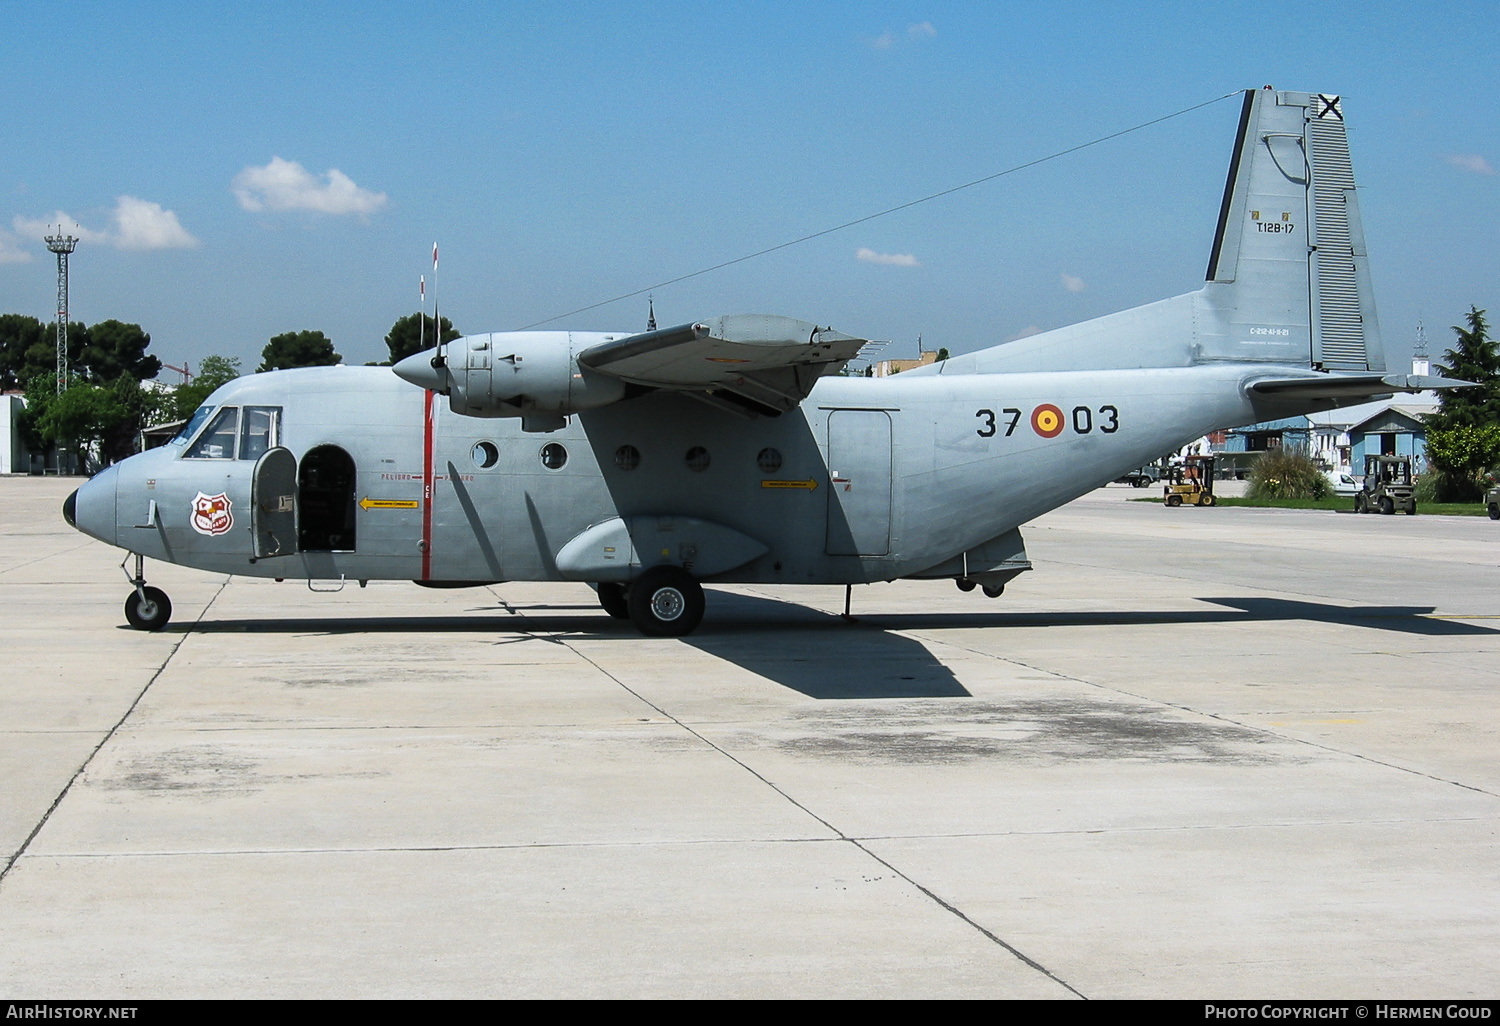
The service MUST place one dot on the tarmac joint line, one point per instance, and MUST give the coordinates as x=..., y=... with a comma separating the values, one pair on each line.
x=840, y=835
x=10, y=863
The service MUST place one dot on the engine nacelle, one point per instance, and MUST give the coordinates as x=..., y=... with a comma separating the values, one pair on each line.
x=533, y=375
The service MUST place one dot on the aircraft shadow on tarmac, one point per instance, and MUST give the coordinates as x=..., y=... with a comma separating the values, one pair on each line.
x=1404, y=619
x=823, y=656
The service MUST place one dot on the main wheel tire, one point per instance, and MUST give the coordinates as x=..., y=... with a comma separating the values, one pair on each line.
x=964, y=584
x=615, y=600
x=1494, y=511
x=1387, y=507
x=151, y=614
x=1174, y=500
x=994, y=590
x=1360, y=506
x=1207, y=500
x=666, y=602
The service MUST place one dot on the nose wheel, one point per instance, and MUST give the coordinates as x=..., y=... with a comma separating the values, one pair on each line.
x=146, y=608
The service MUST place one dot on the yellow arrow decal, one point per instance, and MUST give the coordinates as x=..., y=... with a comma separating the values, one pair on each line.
x=808, y=484
x=369, y=503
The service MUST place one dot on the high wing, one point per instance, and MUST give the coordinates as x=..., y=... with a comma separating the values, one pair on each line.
x=756, y=362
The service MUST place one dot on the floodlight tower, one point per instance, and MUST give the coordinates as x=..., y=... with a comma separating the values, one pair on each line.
x=62, y=245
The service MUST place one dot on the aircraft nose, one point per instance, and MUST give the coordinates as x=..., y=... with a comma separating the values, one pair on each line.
x=91, y=509
x=418, y=370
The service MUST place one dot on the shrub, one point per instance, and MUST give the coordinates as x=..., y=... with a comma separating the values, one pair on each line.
x=1287, y=474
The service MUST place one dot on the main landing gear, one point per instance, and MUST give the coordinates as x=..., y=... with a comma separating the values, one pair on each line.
x=146, y=609
x=664, y=602
x=990, y=590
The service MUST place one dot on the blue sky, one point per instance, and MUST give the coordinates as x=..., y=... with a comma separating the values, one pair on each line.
x=269, y=168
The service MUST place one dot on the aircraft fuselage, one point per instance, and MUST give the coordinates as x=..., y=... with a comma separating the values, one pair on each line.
x=870, y=479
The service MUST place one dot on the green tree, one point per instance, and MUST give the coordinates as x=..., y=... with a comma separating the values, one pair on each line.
x=19, y=334
x=298, y=349
x=112, y=348
x=415, y=332
x=942, y=354
x=28, y=349
x=1472, y=358
x=1459, y=434
x=76, y=420
x=212, y=372
x=1461, y=454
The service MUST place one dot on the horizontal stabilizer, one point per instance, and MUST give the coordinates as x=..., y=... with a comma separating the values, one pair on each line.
x=772, y=362
x=1344, y=387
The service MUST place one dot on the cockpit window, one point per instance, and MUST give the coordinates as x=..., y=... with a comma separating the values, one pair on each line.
x=261, y=429
x=192, y=426
x=217, y=441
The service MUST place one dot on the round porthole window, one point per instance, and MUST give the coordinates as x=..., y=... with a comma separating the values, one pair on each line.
x=486, y=455
x=554, y=456
x=768, y=460
x=697, y=459
x=627, y=457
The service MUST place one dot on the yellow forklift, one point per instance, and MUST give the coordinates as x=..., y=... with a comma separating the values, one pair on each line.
x=1191, y=481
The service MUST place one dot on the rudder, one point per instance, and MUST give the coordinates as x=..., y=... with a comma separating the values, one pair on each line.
x=1289, y=273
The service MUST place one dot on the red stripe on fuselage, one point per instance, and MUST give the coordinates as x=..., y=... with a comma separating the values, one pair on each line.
x=427, y=415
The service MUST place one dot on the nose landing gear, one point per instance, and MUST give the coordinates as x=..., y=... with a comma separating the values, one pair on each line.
x=146, y=609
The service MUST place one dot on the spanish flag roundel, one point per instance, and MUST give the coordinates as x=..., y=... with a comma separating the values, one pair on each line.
x=1047, y=420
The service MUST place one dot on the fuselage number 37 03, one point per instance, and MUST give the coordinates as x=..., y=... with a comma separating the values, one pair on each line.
x=1049, y=421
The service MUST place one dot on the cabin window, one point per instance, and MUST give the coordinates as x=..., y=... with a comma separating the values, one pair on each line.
x=485, y=455
x=554, y=456
x=217, y=440
x=697, y=459
x=260, y=430
x=768, y=460
x=627, y=457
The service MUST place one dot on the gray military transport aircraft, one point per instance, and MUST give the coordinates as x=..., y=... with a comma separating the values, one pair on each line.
x=731, y=450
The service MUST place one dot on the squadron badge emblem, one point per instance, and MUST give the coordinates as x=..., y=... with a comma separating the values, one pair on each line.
x=211, y=514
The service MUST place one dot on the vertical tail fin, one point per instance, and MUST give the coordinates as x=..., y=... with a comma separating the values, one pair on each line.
x=1289, y=274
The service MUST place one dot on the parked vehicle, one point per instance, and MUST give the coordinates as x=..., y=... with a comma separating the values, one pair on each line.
x=1492, y=502
x=1192, y=482
x=1343, y=482
x=1387, y=486
x=1141, y=476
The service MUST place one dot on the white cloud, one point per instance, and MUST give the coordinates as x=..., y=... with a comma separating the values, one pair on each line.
x=884, y=41
x=38, y=227
x=138, y=224
x=10, y=249
x=142, y=224
x=921, y=30
x=1472, y=162
x=287, y=185
x=869, y=256
x=1026, y=332
x=1073, y=284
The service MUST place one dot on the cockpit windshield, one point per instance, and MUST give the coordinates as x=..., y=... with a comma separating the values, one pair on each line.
x=217, y=442
x=192, y=426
